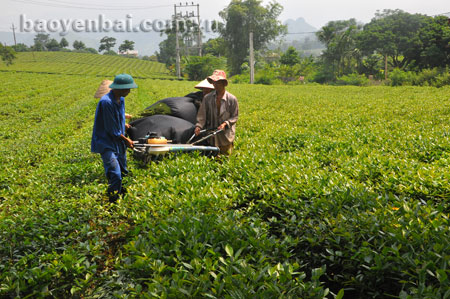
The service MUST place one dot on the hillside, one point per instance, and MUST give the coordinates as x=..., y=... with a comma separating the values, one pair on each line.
x=70, y=63
x=300, y=36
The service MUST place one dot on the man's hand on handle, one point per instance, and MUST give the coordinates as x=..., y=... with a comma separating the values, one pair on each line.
x=222, y=126
x=128, y=141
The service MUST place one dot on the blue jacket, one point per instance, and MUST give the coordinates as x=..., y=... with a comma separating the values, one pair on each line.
x=109, y=124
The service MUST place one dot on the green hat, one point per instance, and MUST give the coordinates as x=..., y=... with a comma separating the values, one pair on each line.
x=123, y=81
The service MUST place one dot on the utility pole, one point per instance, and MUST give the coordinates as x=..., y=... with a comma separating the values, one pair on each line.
x=199, y=33
x=252, y=59
x=14, y=34
x=188, y=45
x=177, y=44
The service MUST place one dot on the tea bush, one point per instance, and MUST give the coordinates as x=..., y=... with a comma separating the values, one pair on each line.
x=330, y=192
x=352, y=79
x=427, y=77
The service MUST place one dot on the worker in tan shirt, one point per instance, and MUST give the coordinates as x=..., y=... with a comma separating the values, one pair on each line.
x=220, y=110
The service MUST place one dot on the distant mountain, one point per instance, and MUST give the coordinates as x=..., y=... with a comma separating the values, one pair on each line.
x=300, y=36
x=298, y=29
x=24, y=38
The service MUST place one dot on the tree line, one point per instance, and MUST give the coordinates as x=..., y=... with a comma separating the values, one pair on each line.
x=393, y=39
x=395, y=46
x=43, y=42
x=231, y=48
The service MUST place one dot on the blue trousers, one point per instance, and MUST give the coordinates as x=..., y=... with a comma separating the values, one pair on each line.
x=115, y=165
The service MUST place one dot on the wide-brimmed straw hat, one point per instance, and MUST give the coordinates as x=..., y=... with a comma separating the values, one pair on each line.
x=103, y=89
x=218, y=75
x=123, y=81
x=204, y=84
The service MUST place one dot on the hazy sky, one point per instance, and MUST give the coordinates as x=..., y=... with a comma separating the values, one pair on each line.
x=315, y=12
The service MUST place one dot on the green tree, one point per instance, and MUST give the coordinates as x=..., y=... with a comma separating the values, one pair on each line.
x=126, y=45
x=242, y=17
x=150, y=58
x=40, y=42
x=434, y=36
x=215, y=47
x=395, y=34
x=107, y=43
x=167, y=50
x=187, y=31
x=63, y=43
x=8, y=54
x=198, y=68
x=372, y=64
x=20, y=47
x=53, y=45
x=290, y=57
x=341, y=55
x=78, y=45
x=91, y=50
x=110, y=52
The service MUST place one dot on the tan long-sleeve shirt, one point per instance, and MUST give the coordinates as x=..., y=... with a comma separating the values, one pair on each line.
x=209, y=118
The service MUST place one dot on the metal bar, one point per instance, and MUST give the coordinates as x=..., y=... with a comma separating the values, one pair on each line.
x=208, y=136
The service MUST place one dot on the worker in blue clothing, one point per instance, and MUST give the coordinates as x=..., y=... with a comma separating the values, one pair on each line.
x=108, y=135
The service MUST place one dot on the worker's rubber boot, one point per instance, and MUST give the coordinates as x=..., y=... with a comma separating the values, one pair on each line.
x=113, y=196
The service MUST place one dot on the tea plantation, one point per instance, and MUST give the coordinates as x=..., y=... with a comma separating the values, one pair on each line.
x=86, y=64
x=332, y=192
